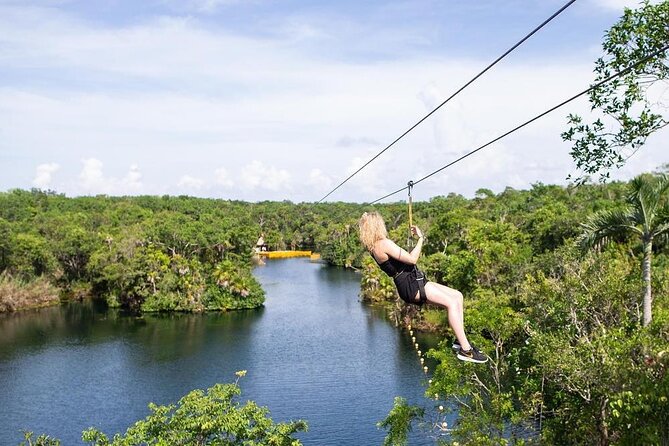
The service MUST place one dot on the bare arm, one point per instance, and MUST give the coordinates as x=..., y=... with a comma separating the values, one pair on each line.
x=391, y=249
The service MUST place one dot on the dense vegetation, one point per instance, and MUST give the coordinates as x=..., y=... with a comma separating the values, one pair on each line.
x=632, y=107
x=199, y=418
x=566, y=289
x=571, y=360
x=152, y=253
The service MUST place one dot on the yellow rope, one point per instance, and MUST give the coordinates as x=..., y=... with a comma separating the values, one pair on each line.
x=410, y=238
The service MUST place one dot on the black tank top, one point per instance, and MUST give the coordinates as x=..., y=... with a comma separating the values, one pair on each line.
x=393, y=267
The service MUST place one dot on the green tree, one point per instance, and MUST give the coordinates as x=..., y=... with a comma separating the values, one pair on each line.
x=344, y=247
x=646, y=217
x=631, y=111
x=42, y=440
x=501, y=249
x=32, y=257
x=71, y=241
x=214, y=417
x=398, y=422
x=5, y=243
x=585, y=353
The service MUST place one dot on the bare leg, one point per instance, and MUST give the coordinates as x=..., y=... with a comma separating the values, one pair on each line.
x=451, y=300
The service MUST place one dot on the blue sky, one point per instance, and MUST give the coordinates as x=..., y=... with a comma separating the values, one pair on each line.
x=281, y=100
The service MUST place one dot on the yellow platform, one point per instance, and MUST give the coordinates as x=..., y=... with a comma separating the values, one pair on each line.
x=284, y=254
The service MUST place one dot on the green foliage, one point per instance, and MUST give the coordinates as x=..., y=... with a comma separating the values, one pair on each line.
x=398, y=422
x=459, y=270
x=344, y=247
x=499, y=248
x=179, y=289
x=71, y=242
x=164, y=253
x=5, y=243
x=233, y=288
x=629, y=112
x=644, y=405
x=31, y=256
x=214, y=417
x=375, y=285
x=584, y=335
x=550, y=226
x=646, y=217
x=42, y=440
x=434, y=318
x=447, y=233
x=488, y=397
x=205, y=418
x=570, y=362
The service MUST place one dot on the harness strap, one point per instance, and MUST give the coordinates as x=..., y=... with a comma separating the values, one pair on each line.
x=420, y=278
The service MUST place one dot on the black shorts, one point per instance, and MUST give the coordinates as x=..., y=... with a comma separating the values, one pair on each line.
x=408, y=287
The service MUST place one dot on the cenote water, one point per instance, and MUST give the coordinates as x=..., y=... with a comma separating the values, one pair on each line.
x=314, y=352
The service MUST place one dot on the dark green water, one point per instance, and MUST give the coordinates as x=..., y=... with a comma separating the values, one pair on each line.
x=314, y=352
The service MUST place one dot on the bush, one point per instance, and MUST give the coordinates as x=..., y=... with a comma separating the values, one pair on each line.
x=17, y=294
x=214, y=417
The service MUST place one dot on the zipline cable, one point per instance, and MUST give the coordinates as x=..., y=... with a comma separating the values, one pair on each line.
x=592, y=87
x=507, y=52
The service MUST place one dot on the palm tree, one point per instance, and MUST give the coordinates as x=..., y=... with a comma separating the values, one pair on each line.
x=646, y=216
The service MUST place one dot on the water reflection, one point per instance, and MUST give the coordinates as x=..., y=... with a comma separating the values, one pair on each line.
x=163, y=337
x=314, y=352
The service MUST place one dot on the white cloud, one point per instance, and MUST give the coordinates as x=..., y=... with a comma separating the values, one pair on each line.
x=348, y=141
x=369, y=183
x=223, y=177
x=256, y=175
x=182, y=96
x=210, y=5
x=92, y=180
x=132, y=180
x=319, y=181
x=43, y=175
x=91, y=177
x=189, y=182
x=201, y=6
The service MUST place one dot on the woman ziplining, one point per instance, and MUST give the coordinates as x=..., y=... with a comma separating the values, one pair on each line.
x=410, y=282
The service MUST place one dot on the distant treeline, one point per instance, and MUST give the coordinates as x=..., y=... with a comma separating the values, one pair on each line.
x=153, y=253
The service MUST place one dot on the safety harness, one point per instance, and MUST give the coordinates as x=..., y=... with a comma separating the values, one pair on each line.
x=419, y=275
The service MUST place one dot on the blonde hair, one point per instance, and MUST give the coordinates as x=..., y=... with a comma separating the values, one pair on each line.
x=372, y=228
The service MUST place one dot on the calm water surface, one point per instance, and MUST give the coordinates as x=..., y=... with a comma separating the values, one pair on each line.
x=313, y=352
